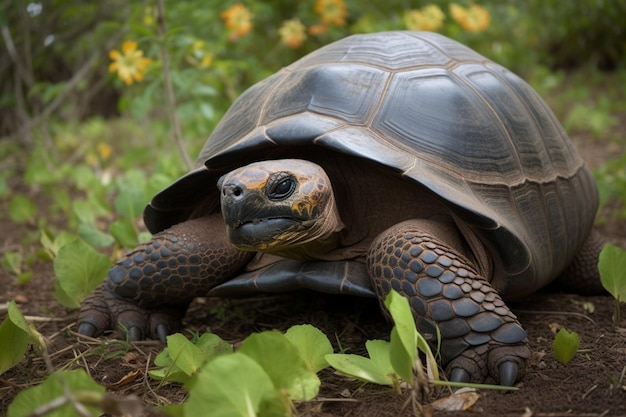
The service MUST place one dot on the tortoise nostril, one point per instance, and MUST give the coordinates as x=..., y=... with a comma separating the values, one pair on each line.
x=236, y=192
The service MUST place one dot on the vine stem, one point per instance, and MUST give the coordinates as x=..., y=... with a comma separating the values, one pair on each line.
x=169, y=88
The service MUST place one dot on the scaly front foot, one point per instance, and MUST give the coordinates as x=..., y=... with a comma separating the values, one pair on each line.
x=481, y=338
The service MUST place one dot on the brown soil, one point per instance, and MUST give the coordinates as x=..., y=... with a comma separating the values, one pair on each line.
x=592, y=384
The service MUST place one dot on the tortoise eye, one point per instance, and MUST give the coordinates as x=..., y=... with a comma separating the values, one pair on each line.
x=281, y=188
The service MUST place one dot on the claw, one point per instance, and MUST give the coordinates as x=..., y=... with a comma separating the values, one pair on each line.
x=134, y=333
x=87, y=329
x=459, y=375
x=508, y=373
x=161, y=331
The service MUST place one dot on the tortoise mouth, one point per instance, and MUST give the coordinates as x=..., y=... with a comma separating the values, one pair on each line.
x=260, y=234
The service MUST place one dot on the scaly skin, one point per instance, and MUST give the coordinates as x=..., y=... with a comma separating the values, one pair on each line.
x=148, y=291
x=481, y=338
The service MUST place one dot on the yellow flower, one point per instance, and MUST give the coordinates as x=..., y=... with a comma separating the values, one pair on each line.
x=427, y=18
x=104, y=150
x=238, y=20
x=200, y=55
x=332, y=12
x=130, y=63
x=317, y=30
x=292, y=33
x=473, y=19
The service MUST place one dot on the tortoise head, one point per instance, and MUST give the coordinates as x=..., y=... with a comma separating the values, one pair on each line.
x=282, y=206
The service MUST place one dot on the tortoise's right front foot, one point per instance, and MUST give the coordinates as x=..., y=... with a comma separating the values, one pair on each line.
x=104, y=310
x=148, y=291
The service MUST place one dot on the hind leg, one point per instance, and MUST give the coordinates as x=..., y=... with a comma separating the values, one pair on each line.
x=582, y=276
x=481, y=338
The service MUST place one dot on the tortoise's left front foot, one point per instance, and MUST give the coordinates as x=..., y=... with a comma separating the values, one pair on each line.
x=481, y=339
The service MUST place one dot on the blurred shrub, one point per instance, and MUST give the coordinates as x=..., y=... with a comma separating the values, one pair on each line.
x=58, y=51
x=581, y=32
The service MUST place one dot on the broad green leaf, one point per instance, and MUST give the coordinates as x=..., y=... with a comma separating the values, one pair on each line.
x=212, y=346
x=24, y=277
x=403, y=341
x=131, y=198
x=312, y=344
x=84, y=178
x=565, y=345
x=79, y=269
x=359, y=367
x=232, y=385
x=86, y=211
x=400, y=359
x=177, y=369
x=612, y=267
x=96, y=238
x=53, y=242
x=378, y=351
x=282, y=362
x=130, y=202
x=185, y=354
x=124, y=233
x=79, y=383
x=14, y=337
x=21, y=209
x=12, y=262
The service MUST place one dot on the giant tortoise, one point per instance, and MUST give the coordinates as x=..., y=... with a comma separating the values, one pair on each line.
x=397, y=160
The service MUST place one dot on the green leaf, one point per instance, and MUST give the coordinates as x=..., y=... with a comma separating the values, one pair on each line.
x=612, y=267
x=21, y=209
x=124, y=233
x=78, y=382
x=53, y=242
x=565, y=345
x=312, y=344
x=186, y=355
x=231, y=385
x=180, y=367
x=378, y=351
x=400, y=359
x=86, y=211
x=282, y=362
x=131, y=198
x=79, y=269
x=24, y=277
x=14, y=337
x=212, y=346
x=96, y=238
x=12, y=262
x=359, y=367
x=403, y=343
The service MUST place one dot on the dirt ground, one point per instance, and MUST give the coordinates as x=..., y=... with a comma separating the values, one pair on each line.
x=592, y=384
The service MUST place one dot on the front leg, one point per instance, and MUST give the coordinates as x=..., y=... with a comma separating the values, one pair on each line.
x=480, y=337
x=148, y=291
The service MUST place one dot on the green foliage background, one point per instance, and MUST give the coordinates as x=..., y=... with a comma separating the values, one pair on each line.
x=81, y=152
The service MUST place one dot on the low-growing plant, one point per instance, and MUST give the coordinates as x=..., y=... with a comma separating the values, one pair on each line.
x=612, y=267
x=264, y=377
x=15, y=336
x=565, y=345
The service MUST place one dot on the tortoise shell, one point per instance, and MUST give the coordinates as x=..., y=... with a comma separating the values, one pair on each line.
x=435, y=112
